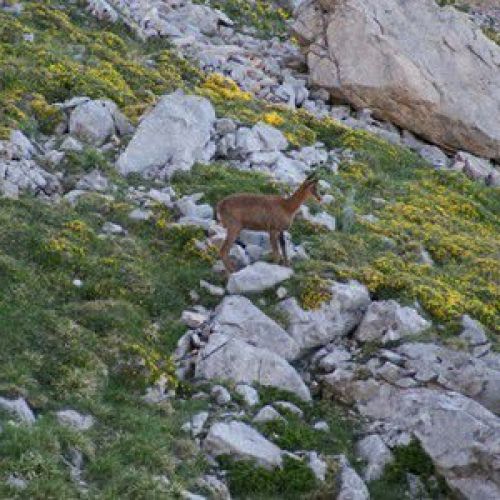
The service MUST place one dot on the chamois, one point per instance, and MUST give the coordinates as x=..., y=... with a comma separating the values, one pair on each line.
x=262, y=213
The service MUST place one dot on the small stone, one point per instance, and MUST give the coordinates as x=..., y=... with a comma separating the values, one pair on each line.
x=217, y=291
x=286, y=405
x=321, y=426
x=195, y=425
x=221, y=395
x=16, y=482
x=248, y=393
x=19, y=408
x=74, y=419
x=317, y=465
x=140, y=215
x=267, y=414
x=194, y=319
x=112, y=228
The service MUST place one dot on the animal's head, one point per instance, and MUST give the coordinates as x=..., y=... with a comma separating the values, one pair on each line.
x=311, y=186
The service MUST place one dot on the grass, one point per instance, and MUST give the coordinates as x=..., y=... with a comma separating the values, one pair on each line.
x=409, y=459
x=73, y=55
x=96, y=347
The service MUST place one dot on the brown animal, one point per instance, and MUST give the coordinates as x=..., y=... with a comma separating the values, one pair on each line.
x=262, y=213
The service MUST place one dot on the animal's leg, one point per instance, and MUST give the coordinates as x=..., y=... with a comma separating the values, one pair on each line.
x=232, y=234
x=283, y=248
x=273, y=235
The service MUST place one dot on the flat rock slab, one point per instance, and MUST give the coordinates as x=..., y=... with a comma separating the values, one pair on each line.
x=257, y=278
x=229, y=358
x=242, y=442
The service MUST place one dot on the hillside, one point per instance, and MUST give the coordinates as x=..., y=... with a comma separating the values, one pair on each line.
x=108, y=256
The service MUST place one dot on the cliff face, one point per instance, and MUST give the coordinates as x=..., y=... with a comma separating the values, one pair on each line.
x=429, y=70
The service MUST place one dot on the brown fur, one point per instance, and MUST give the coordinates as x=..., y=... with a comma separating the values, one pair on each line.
x=256, y=212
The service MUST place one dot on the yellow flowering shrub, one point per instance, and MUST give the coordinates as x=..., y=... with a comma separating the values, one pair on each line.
x=274, y=119
x=315, y=292
x=219, y=87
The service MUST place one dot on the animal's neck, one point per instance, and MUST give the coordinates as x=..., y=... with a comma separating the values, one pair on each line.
x=294, y=202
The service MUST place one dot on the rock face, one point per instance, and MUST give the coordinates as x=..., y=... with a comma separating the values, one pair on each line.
x=388, y=321
x=238, y=317
x=461, y=436
x=333, y=319
x=427, y=69
x=173, y=136
x=242, y=442
x=227, y=358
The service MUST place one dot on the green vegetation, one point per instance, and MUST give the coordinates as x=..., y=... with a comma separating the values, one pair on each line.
x=410, y=459
x=75, y=55
x=267, y=20
x=250, y=481
x=97, y=346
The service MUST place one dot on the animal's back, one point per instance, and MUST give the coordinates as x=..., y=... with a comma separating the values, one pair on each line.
x=253, y=211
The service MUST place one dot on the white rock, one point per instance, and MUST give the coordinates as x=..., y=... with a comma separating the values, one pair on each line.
x=286, y=405
x=194, y=319
x=241, y=442
x=336, y=358
x=19, y=408
x=333, y=319
x=16, y=482
x=92, y=122
x=220, y=394
x=257, y=278
x=237, y=316
x=173, y=136
x=71, y=144
x=228, y=358
x=249, y=394
x=322, y=219
x=22, y=147
x=267, y=414
x=195, y=425
x=212, y=289
x=140, y=215
x=321, y=426
x=352, y=486
x=74, y=419
x=377, y=455
x=261, y=137
x=387, y=320
x=112, y=228
x=94, y=181
x=218, y=489
x=317, y=465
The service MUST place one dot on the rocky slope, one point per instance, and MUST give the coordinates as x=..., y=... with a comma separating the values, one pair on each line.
x=133, y=368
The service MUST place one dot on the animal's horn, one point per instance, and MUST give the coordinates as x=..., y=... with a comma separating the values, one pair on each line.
x=313, y=176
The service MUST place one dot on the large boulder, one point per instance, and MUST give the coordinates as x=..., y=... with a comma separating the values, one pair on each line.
x=237, y=316
x=335, y=318
x=93, y=122
x=173, y=136
x=425, y=68
x=231, y=359
x=241, y=442
x=386, y=321
x=461, y=437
